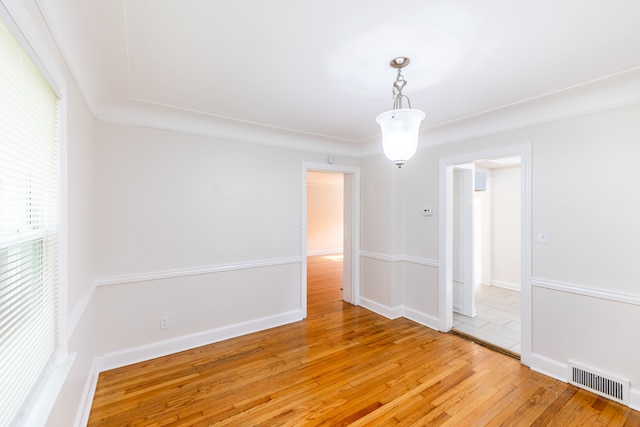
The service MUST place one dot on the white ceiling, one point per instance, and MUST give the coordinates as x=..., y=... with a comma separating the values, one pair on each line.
x=317, y=71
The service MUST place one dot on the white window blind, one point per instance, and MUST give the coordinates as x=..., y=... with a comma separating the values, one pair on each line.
x=28, y=233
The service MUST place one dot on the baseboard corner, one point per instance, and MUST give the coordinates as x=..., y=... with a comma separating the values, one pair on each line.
x=421, y=318
x=549, y=367
x=381, y=309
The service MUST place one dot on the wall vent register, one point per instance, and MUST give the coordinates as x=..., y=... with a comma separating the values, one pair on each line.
x=605, y=385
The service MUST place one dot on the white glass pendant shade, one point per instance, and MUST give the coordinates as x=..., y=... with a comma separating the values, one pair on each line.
x=400, y=130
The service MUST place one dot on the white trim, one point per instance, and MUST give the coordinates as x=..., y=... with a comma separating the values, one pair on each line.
x=445, y=232
x=622, y=397
x=400, y=258
x=63, y=231
x=506, y=285
x=39, y=407
x=549, y=367
x=353, y=257
x=561, y=372
x=88, y=393
x=421, y=261
x=169, y=274
x=117, y=359
x=19, y=21
x=80, y=308
x=325, y=252
x=150, y=351
x=400, y=311
x=605, y=93
x=171, y=118
x=420, y=317
x=634, y=399
x=586, y=291
x=381, y=257
x=381, y=309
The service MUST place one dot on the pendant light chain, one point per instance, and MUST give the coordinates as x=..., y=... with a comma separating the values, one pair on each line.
x=398, y=85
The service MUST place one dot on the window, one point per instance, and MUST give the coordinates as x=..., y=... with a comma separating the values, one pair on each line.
x=29, y=158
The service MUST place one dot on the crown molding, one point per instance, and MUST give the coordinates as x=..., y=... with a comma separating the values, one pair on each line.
x=191, y=122
x=598, y=95
x=614, y=91
x=610, y=92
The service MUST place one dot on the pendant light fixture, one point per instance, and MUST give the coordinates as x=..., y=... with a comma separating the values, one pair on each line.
x=400, y=126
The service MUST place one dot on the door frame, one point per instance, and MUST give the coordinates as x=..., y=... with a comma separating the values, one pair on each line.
x=468, y=225
x=351, y=257
x=445, y=298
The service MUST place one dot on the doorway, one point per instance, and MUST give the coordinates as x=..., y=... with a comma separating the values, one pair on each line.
x=347, y=228
x=325, y=238
x=463, y=200
x=486, y=252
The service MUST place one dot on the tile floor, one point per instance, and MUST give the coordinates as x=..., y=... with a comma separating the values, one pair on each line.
x=498, y=319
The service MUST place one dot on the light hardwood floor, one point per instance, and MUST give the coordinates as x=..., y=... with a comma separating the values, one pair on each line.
x=344, y=365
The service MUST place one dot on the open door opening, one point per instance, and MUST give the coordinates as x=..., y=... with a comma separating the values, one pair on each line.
x=331, y=227
x=485, y=248
x=325, y=234
x=486, y=252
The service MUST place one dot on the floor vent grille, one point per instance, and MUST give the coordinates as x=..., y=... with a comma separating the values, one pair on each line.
x=600, y=383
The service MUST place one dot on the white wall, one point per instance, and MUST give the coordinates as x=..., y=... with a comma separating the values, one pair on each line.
x=482, y=205
x=506, y=227
x=325, y=212
x=585, y=280
x=381, y=280
x=201, y=229
x=171, y=226
x=198, y=229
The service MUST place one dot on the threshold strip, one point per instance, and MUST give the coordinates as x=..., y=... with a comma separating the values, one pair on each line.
x=484, y=343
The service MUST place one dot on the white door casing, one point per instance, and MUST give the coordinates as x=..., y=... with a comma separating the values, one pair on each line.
x=351, y=263
x=445, y=298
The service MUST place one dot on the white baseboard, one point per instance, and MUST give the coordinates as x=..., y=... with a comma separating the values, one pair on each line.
x=149, y=351
x=325, y=252
x=84, y=409
x=381, y=309
x=400, y=311
x=421, y=318
x=560, y=371
x=47, y=390
x=634, y=399
x=506, y=285
x=549, y=367
x=126, y=357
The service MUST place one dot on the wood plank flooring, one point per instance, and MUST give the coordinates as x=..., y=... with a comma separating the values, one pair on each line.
x=344, y=365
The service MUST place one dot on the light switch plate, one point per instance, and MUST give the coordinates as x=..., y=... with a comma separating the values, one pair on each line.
x=543, y=235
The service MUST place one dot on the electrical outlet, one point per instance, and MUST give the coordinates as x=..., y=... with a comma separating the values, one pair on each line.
x=164, y=322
